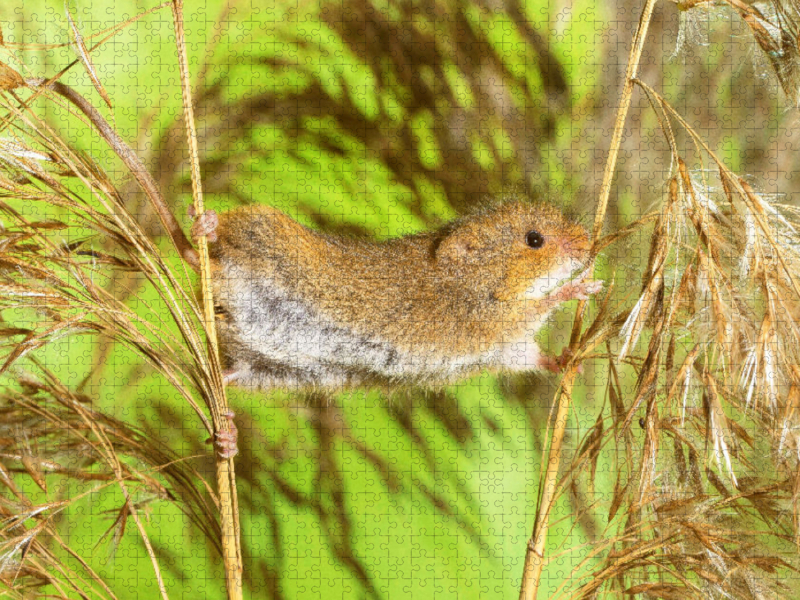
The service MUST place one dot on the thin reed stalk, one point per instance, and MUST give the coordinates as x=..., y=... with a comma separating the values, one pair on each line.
x=535, y=550
x=226, y=476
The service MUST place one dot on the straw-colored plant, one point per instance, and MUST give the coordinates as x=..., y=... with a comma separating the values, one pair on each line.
x=717, y=385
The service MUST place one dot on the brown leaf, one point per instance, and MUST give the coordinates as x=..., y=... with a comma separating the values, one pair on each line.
x=5, y=478
x=680, y=504
x=592, y=445
x=681, y=379
x=694, y=471
x=9, y=78
x=32, y=467
x=10, y=331
x=616, y=501
x=55, y=225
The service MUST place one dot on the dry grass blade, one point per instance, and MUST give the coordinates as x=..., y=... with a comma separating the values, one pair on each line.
x=104, y=34
x=64, y=283
x=777, y=36
x=653, y=290
x=534, y=555
x=774, y=26
x=717, y=386
x=703, y=393
x=86, y=59
x=49, y=429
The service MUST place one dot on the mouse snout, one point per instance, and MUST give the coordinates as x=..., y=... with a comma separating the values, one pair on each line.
x=576, y=246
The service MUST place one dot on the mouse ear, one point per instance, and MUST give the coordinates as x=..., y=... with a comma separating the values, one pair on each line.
x=457, y=248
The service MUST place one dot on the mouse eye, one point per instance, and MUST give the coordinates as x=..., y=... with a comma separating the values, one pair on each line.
x=534, y=239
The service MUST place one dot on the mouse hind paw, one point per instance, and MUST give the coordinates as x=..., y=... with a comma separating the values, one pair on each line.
x=226, y=443
x=205, y=225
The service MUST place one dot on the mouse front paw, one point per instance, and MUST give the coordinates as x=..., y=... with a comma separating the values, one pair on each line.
x=205, y=225
x=584, y=290
x=557, y=364
x=550, y=363
x=578, y=289
x=226, y=442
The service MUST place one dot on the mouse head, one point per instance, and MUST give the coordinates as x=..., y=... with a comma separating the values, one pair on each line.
x=523, y=249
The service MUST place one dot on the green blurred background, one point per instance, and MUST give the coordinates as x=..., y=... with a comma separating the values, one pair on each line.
x=382, y=119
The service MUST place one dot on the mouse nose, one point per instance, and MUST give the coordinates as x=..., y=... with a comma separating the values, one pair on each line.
x=576, y=246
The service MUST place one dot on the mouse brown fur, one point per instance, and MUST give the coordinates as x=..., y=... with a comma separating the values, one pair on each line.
x=307, y=309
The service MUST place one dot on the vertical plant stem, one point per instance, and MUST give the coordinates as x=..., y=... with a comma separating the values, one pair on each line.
x=619, y=126
x=534, y=554
x=226, y=478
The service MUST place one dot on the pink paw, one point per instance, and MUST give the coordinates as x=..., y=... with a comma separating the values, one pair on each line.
x=585, y=290
x=205, y=225
x=226, y=442
x=579, y=288
x=557, y=364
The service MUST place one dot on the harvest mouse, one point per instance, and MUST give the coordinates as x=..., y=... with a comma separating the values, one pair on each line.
x=307, y=309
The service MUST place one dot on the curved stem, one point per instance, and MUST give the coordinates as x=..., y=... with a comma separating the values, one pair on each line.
x=131, y=160
x=534, y=554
